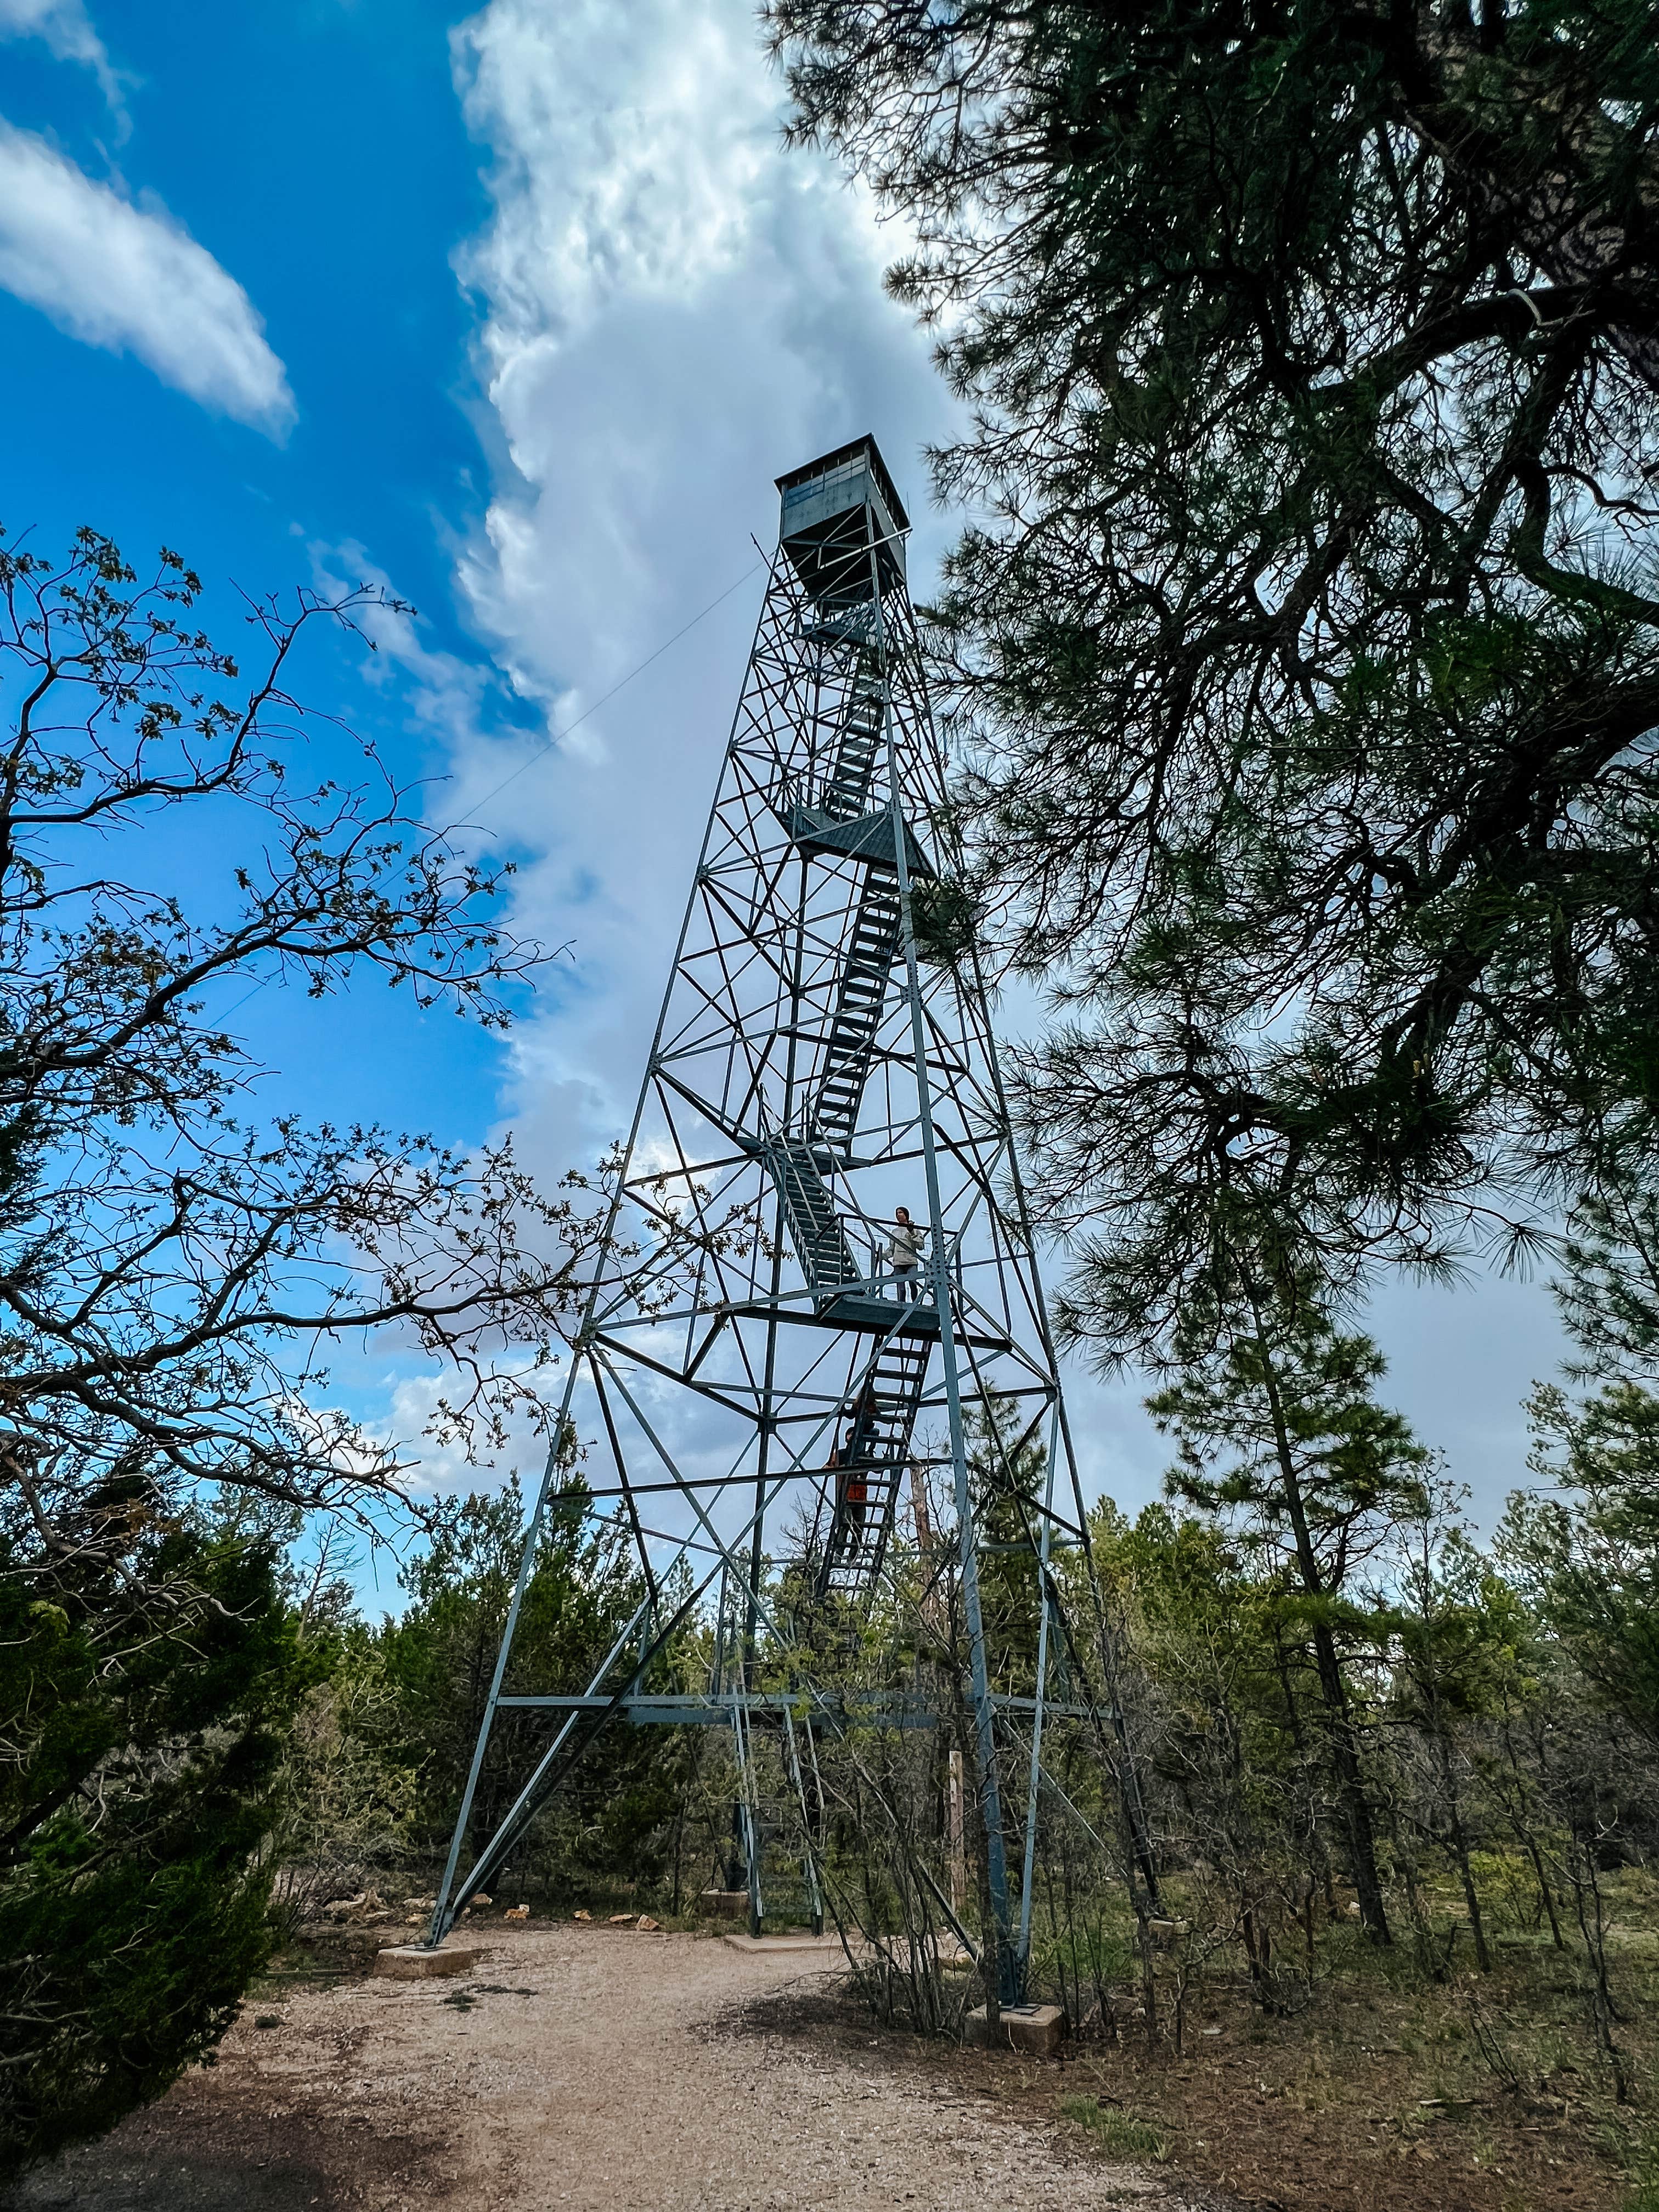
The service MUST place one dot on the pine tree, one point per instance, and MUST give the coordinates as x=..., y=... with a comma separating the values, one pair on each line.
x=1309, y=630
x=1586, y=1552
x=1281, y=1437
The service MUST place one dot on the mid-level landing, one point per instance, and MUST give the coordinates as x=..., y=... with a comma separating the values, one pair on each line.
x=869, y=1316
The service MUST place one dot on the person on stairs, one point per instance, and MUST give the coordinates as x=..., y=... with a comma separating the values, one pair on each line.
x=848, y=1463
x=903, y=1254
x=849, y=1459
x=855, y=1503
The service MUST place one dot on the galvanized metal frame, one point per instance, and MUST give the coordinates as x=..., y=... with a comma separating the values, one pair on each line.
x=727, y=1321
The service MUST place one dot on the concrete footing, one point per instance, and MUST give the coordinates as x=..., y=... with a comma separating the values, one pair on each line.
x=828, y=1947
x=1035, y=2029
x=413, y=1962
x=725, y=1904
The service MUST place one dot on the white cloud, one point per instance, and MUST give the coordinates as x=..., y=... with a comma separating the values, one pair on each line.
x=132, y=280
x=65, y=27
x=673, y=310
x=628, y=166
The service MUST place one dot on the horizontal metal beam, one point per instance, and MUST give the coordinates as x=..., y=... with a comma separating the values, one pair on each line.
x=879, y=1709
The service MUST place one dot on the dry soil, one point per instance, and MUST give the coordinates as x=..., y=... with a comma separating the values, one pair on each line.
x=588, y=2068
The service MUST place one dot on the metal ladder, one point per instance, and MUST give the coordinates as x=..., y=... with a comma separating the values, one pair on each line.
x=876, y=1454
x=815, y=1227
x=846, y=788
x=860, y=997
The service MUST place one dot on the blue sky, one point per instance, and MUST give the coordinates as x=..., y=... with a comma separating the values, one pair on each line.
x=519, y=312
x=317, y=152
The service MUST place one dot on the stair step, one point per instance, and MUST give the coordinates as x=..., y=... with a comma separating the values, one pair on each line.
x=858, y=745
x=814, y=1226
x=878, y=1449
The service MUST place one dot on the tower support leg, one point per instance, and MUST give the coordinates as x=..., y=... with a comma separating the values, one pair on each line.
x=1009, y=1973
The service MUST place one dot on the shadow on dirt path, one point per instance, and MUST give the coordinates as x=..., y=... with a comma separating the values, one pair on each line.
x=587, y=2069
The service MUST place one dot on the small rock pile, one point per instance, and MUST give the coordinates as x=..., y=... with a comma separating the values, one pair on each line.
x=368, y=1909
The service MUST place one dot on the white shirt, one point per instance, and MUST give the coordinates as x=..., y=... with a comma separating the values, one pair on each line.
x=904, y=1246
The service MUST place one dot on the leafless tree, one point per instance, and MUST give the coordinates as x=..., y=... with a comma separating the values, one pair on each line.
x=176, y=1261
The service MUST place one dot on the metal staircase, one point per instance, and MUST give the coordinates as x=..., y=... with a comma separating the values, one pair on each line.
x=860, y=997
x=846, y=788
x=874, y=1455
x=877, y=1424
x=815, y=1228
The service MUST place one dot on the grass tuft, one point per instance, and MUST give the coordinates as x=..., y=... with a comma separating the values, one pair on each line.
x=1116, y=2130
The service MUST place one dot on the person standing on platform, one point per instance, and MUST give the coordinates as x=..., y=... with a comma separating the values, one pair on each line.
x=903, y=1254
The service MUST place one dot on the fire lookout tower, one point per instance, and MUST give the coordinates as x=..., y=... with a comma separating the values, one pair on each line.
x=773, y=1365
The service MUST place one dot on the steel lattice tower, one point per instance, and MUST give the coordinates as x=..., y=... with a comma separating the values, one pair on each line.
x=825, y=1054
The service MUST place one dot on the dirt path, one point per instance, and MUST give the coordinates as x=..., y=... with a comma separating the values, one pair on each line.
x=580, y=2068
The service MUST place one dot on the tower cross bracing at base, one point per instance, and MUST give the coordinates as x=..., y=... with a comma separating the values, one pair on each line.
x=760, y=1362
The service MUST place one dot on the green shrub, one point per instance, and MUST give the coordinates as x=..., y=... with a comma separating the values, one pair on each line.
x=143, y=1737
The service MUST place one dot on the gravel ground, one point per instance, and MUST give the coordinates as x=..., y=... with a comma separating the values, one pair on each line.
x=579, y=2067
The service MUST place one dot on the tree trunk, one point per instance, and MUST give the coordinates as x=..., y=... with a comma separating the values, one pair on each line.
x=1460, y=1844
x=1258, y=1953
x=1523, y=1829
x=1350, y=1786
x=1545, y=1892
x=1148, y=1983
x=1581, y=1870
